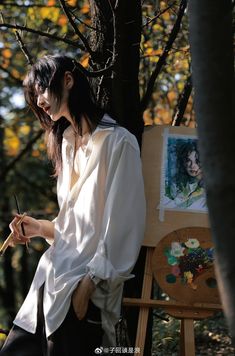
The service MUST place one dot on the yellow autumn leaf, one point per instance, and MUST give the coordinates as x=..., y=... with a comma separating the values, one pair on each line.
x=85, y=60
x=157, y=27
x=180, y=85
x=45, y=12
x=62, y=20
x=171, y=95
x=85, y=9
x=158, y=52
x=35, y=153
x=7, y=53
x=149, y=51
x=42, y=146
x=24, y=129
x=50, y=13
x=5, y=63
x=72, y=3
x=147, y=118
x=166, y=16
x=184, y=63
x=31, y=13
x=51, y=2
x=164, y=115
x=15, y=73
x=12, y=145
x=157, y=121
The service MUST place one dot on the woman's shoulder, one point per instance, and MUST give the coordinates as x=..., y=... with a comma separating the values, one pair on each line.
x=119, y=135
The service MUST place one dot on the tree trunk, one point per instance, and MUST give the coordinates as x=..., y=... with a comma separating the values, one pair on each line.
x=118, y=91
x=213, y=79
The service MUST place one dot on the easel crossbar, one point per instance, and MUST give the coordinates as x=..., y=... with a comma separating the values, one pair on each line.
x=153, y=303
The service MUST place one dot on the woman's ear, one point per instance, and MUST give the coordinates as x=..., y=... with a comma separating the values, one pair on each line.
x=68, y=80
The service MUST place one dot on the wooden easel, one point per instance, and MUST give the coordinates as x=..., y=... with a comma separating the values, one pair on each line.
x=186, y=312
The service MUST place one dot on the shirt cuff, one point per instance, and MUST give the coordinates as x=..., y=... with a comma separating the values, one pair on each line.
x=94, y=279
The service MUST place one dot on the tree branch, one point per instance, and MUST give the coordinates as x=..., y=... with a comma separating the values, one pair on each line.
x=23, y=48
x=159, y=14
x=9, y=3
x=41, y=33
x=97, y=73
x=83, y=23
x=11, y=165
x=175, y=30
x=182, y=102
x=75, y=28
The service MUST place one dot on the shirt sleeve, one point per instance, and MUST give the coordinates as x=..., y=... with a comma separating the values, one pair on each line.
x=51, y=241
x=123, y=219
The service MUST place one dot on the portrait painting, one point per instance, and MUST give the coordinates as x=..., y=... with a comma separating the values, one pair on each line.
x=182, y=185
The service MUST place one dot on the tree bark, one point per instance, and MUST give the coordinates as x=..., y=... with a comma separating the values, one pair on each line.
x=213, y=79
x=119, y=33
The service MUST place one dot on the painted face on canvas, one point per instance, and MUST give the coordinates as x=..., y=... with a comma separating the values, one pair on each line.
x=192, y=165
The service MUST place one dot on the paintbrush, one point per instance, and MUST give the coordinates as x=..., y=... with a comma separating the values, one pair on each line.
x=18, y=210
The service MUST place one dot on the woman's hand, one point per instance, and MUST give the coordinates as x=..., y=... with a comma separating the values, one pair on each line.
x=81, y=296
x=32, y=228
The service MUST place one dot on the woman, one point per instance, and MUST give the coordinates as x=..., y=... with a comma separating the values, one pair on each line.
x=74, y=300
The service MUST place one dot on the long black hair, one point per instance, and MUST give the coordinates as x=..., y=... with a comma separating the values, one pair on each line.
x=48, y=73
x=183, y=150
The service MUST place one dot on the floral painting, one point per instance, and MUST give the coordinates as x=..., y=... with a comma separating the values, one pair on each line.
x=188, y=260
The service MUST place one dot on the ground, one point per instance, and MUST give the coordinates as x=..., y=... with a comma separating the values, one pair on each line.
x=211, y=336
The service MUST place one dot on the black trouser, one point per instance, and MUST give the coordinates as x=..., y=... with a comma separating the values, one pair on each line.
x=74, y=337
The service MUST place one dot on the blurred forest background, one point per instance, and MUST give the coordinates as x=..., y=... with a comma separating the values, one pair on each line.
x=29, y=29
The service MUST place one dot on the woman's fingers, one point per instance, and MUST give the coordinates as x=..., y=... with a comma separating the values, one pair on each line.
x=16, y=229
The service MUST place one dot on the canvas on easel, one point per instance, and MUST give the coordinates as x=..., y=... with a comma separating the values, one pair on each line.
x=174, y=185
x=176, y=203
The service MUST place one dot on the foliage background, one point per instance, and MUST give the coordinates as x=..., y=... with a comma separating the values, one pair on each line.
x=24, y=168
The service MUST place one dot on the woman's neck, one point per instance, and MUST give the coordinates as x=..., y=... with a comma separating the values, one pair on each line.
x=83, y=128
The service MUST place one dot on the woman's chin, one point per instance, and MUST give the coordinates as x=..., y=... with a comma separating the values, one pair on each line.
x=54, y=117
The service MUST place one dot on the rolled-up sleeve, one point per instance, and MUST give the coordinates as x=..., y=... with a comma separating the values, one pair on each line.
x=123, y=219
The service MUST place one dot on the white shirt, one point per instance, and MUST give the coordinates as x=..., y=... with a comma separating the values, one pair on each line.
x=99, y=228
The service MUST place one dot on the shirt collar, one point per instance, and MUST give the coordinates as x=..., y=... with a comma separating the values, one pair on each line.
x=69, y=133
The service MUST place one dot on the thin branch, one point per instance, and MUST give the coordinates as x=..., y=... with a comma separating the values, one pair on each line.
x=159, y=14
x=23, y=48
x=175, y=30
x=43, y=34
x=17, y=80
x=12, y=164
x=114, y=31
x=9, y=3
x=182, y=103
x=75, y=28
x=84, y=23
x=97, y=73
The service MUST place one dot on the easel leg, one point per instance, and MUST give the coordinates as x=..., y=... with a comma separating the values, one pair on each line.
x=144, y=312
x=187, y=339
